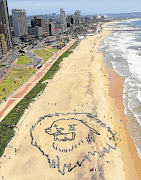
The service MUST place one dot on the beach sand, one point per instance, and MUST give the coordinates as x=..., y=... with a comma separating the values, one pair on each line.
x=82, y=85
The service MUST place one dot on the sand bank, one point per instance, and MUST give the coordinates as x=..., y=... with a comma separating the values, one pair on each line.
x=62, y=146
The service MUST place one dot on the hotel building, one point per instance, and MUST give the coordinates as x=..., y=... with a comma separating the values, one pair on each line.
x=19, y=22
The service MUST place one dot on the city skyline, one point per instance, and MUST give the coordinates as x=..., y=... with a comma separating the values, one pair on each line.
x=87, y=7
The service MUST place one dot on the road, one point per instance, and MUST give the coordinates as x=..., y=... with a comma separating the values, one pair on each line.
x=9, y=60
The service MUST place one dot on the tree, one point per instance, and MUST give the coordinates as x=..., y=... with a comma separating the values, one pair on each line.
x=4, y=91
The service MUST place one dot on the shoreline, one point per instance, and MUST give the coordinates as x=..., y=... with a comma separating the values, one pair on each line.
x=127, y=147
x=115, y=96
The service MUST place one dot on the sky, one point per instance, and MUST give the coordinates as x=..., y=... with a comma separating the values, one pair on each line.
x=87, y=7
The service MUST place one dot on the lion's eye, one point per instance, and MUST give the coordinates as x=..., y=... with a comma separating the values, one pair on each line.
x=72, y=127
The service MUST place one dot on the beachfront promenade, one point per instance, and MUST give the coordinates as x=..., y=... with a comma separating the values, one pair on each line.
x=16, y=97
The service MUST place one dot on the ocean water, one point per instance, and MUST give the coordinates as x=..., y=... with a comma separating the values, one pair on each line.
x=122, y=51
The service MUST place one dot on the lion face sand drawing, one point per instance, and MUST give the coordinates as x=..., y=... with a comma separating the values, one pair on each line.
x=67, y=134
x=67, y=139
x=60, y=133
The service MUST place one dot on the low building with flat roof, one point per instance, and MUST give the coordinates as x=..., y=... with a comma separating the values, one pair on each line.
x=36, y=31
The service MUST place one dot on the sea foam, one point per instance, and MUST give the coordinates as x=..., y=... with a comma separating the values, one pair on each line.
x=122, y=50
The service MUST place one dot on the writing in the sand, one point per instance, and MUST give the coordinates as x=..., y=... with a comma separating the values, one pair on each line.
x=70, y=134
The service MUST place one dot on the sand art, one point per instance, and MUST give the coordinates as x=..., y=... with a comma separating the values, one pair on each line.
x=65, y=138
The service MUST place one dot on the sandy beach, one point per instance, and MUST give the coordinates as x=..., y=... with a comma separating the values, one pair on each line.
x=77, y=128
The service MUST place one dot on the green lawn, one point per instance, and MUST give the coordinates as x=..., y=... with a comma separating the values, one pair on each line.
x=45, y=54
x=53, y=50
x=14, y=80
x=23, y=59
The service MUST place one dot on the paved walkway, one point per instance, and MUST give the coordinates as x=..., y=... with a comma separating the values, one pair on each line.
x=5, y=108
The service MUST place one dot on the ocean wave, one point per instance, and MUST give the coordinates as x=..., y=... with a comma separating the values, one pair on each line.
x=122, y=50
x=139, y=95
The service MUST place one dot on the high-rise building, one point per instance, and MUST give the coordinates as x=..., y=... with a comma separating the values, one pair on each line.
x=87, y=20
x=4, y=22
x=19, y=22
x=63, y=20
x=77, y=17
x=62, y=16
x=71, y=21
x=38, y=22
x=11, y=26
x=50, y=26
x=10, y=21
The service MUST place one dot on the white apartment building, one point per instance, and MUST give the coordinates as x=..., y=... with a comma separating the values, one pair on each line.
x=19, y=22
x=77, y=17
x=63, y=20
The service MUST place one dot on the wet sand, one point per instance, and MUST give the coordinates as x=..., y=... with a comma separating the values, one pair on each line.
x=132, y=162
x=82, y=85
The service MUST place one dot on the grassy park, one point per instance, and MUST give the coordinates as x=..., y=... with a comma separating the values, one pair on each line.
x=53, y=50
x=10, y=121
x=14, y=80
x=45, y=54
x=23, y=60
